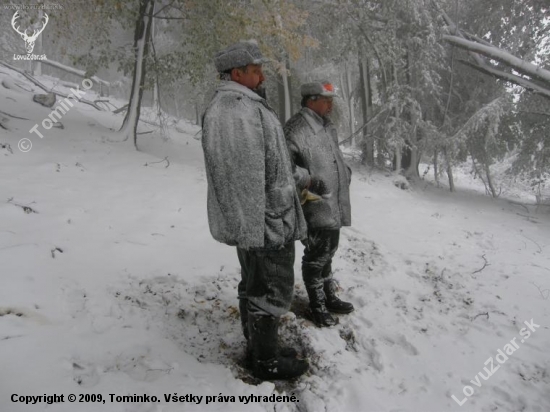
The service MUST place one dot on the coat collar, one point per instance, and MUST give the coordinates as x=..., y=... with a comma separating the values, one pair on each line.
x=231, y=86
x=315, y=121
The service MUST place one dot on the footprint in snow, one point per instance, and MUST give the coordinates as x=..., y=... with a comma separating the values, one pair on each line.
x=84, y=374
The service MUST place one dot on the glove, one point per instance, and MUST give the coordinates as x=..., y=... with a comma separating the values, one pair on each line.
x=317, y=186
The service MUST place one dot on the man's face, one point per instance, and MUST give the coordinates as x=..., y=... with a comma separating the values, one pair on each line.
x=251, y=77
x=322, y=105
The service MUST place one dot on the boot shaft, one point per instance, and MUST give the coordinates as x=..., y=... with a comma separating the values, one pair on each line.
x=267, y=363
x=263, y=332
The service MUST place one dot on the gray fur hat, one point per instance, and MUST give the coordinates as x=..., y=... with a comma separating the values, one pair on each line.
x=239, y=54
x=318, y=88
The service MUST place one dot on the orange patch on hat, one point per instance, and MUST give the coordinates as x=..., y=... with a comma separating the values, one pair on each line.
x=328, y=87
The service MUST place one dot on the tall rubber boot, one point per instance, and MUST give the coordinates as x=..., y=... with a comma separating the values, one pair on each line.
x=333, y=302
x=321, y=316
x=267, y=363
x=285, y=351
x=243, y=309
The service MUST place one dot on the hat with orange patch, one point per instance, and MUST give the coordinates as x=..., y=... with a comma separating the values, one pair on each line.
x=318, y=88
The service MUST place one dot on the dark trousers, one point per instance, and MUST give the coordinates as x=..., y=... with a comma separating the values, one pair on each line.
x=320, y=247
x=267, y=280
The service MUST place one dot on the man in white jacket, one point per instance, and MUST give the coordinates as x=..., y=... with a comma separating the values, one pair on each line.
x=313, y=145
x=253, y=203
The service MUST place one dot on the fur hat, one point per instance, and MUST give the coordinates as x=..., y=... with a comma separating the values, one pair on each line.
x=239, y=54
x=318, y=88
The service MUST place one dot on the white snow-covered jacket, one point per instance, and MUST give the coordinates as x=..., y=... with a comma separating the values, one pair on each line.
x=252, y=197
x=313, y=146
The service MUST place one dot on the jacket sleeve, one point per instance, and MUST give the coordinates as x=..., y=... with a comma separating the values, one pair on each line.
x=301, y=175
x=233, y=143
x=302, y=179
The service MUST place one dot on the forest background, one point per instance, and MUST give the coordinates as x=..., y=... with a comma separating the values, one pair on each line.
x=442, y=82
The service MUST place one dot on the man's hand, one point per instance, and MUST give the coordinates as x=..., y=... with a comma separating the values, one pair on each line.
x=317, y=186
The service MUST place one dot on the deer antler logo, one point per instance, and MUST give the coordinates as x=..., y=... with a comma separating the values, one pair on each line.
x=29, y=40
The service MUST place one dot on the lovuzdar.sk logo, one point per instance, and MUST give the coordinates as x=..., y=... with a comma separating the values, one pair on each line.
x=29, y=39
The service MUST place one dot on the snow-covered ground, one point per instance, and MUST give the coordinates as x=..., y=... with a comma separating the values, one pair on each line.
x=112, y=284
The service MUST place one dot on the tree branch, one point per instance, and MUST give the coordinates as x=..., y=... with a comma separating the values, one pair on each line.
x=530, y=112
x=509, y=77
x=457, y=32
x=484, y=265
x=481, y=314
x=37, y=83
x=21, y=118
x=502, y=56
x=26, y=209
x=169, y=18
x=481, y=65
x=362, y=127
x=473, y=37
x=368, y=39
x=163, y=160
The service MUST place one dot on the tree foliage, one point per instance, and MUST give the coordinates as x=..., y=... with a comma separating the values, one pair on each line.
x=443, y=81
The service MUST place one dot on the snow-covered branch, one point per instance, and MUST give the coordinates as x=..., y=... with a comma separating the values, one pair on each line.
x=76, y=72
x=502, y=56
x=512, y=78
x=37, y=83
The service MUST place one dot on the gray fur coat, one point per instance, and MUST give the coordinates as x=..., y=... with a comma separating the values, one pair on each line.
x=252, y=198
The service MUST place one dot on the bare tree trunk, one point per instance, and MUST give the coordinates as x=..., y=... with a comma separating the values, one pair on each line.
x=414, y=160
x=284, y=97
x=155, y=82
x=286, y=94
x=449, y=170
x=398, y=150
x=366, y=105
x=486, y=162
x=478, y=173
x=283, y=91
x=436, y=171
x=349, y=100
x=411, y=154
x=38, y=46
x=142, y=36
x=347, y=94
x=411, y=151
x=177, y=107
x=397, y=159
x=490, y=181
x=156, y=86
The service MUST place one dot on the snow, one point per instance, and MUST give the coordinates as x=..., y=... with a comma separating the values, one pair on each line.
x=115, y=286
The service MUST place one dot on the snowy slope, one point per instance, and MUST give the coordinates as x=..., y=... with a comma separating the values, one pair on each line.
x=114, y=285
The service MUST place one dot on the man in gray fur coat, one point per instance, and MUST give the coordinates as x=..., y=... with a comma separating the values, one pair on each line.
x=313, y=144
x=253, y=203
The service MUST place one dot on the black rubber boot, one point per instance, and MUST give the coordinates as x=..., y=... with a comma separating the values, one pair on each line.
x=243, y=309
x=285, y=351
x=332, y=302
x=267, y=363
x=319, y=313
